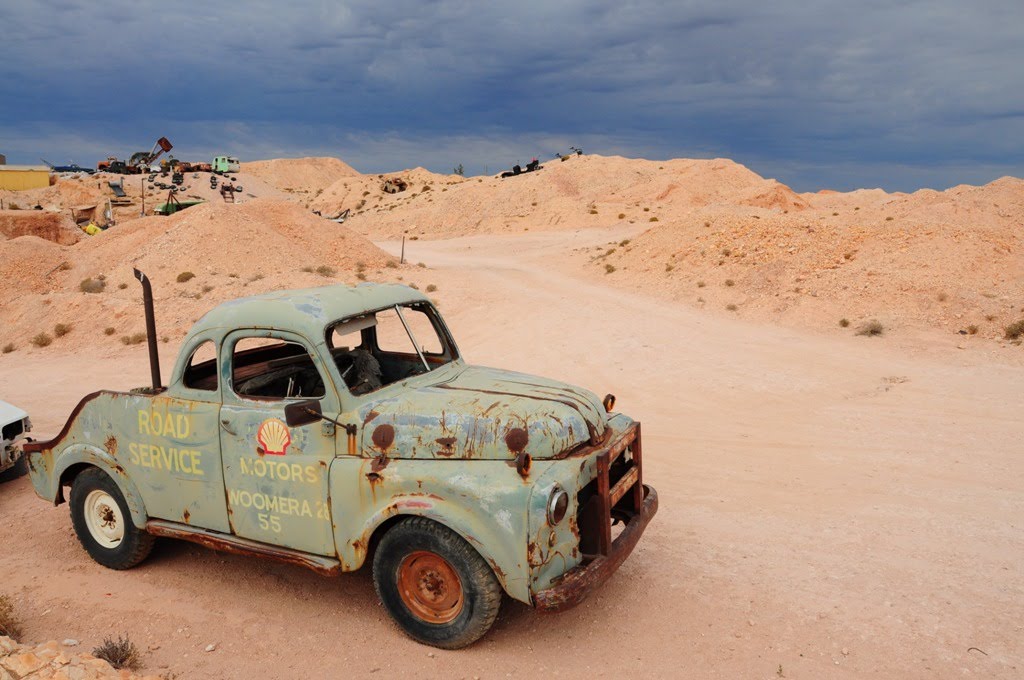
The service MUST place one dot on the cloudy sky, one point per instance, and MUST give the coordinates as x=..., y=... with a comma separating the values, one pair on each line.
x=819, y=94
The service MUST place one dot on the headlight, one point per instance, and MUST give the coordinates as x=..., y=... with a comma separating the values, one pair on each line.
x=558, y=503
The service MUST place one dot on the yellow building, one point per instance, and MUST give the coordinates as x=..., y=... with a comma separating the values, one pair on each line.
x=17, y=177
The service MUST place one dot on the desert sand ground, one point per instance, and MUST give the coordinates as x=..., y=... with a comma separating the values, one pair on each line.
x=832, y=506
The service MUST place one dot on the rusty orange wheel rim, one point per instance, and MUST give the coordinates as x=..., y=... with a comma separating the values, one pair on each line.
x=430, y=587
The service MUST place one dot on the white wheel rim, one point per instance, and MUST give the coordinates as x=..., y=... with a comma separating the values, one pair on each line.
x=104, y=519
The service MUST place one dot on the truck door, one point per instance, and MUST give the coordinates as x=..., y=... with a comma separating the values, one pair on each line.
x=275, y=476
x=172, y=447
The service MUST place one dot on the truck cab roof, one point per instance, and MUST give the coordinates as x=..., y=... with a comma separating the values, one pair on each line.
x=306, y=311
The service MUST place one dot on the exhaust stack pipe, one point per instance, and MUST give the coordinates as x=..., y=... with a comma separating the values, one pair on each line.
x=147, y=300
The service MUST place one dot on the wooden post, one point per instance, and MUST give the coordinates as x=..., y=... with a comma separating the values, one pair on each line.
x=401, y=260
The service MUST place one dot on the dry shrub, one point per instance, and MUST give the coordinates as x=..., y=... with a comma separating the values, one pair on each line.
x=593, y=212
x=1015, y=330
x=361, y=276
x=730, y=283
x=972, y=329
x=92, y=285
x=325, y=270
x=431, y=288
x=119, y=653
x=122, y=286
x=61, y=329
x=731, y=307
x=9, y=625
x=941, y=297
x=653, y=219
x=609, y=268
x=109, y=330
x=133, y=339
x=308, y=269
x=622, y=216
x=843, y=323
x=42, y=340
x=185, y=276
x=8, y=348
x=391, y=264
x=871, y=328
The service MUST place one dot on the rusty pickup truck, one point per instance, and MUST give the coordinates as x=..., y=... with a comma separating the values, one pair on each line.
x=332, y=426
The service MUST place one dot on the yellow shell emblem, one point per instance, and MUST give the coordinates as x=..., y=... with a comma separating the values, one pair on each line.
x=274, y=437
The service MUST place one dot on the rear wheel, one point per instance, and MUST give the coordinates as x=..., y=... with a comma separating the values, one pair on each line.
x=103, y=523
x=435, y=585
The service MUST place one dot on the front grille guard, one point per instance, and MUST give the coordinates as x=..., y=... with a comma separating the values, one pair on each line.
x=615, y=494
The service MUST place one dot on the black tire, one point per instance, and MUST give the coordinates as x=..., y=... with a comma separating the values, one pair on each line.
x=19, y=469
x=479, y=592
x=133, y=546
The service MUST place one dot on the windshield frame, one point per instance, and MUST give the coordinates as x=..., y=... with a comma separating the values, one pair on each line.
x=431, y=361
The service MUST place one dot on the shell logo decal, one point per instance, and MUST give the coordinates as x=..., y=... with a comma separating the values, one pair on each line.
x=274, y=437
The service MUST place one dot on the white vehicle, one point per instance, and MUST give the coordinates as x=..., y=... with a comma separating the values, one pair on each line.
x=14, y=426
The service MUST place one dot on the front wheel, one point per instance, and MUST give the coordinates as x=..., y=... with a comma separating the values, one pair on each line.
x=19, y=469
x=435, y=585
x=103, y=523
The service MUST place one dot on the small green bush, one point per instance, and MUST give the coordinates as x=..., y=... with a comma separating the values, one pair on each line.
x=119, y=653
x=92, y=285
x=871, y=329
x=9, y=625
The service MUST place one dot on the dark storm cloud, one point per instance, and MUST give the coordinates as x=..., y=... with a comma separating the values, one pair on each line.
x=842, y=94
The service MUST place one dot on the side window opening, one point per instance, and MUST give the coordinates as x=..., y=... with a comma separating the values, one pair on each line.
x=201, y=371
x=268, y=368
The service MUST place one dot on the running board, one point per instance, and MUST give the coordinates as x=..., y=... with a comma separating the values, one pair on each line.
x=327, y=566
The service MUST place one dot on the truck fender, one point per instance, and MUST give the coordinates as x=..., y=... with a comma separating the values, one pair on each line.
x=505, y=557
x=84, y=454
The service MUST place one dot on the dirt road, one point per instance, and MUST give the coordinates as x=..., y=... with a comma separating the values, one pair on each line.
x=830, y=507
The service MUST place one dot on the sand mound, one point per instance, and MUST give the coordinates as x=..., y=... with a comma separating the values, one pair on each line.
x=306, y=176
x=230, y=250
x=51, y=226
x=586, y=191
x=776, y=196
x=949, y=259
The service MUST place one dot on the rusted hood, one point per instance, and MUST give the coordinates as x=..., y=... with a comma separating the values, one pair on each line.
x=483, y=413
